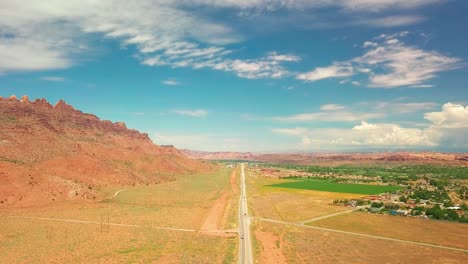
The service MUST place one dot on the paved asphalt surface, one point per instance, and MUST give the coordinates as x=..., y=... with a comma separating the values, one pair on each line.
x=245, y=248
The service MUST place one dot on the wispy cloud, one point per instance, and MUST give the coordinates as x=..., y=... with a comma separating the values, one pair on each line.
x=201, y=141
x=274, y=56
x=403, y=108
x=192, y=113
x=391, y=21
x=351, y=5
x=51, y=35
x=388, y=63
x=333, y=71
x=170, y=82
x=330, y=116
x=297, y=131
x=422, y=86
x=363, y=111
x=53, y=78
x=31, y=54
x=269, y=66
x=331, y=107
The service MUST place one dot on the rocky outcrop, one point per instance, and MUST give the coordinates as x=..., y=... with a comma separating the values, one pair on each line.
x=24, y=99
x=50, y=151
x=42, y=103
x=64, y=107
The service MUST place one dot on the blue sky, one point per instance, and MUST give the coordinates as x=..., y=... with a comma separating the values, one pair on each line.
x=250, y=75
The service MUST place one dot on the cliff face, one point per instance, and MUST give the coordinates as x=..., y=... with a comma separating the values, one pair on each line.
x=50, y=153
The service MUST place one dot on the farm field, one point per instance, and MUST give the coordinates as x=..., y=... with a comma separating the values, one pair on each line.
x=287, y=241
x=406, y=228
x=328, y=186
x=291, y=244
x=289, y=204
x=138, y=217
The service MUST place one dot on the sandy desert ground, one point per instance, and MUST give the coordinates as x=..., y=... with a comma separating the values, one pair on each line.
x=147, y=224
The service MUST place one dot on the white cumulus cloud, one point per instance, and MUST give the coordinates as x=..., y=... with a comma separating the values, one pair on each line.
x=390, y=135
x=451, y=116
x=447, y=128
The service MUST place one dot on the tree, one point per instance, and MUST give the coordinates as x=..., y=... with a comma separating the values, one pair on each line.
x=436, y=212
x=464, y=207
x=452, y=215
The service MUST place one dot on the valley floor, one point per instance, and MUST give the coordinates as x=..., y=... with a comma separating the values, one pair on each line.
x=141, y=224
x=195, y=220
x=303, y=226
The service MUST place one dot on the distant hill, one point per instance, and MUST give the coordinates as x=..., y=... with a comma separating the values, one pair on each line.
x=50, y=153
x=337, y=158
x=206, y=155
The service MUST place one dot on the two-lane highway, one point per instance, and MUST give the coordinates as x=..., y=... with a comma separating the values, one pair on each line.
x=245, y=244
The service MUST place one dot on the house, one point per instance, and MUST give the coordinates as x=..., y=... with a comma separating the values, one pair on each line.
x=395, y=198
x=373, y=198
x=401, y=212
x=374, y=210
x=351, y=203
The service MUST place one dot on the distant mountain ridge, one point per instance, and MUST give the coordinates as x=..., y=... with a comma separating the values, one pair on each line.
x=55, y=152
x=331, y=158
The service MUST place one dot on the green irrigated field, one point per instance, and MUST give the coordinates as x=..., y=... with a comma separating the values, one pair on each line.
x=327, y=186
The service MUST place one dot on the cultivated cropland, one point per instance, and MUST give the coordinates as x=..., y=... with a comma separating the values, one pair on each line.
x=356, y=208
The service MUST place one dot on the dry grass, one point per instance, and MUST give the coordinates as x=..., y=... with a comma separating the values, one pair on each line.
x=295, y=244
x=31, y=241
x=406, y=228
x=302, y=245
x=180, y=204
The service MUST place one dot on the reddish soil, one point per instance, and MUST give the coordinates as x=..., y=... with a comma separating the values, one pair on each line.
x=213, y=219
x=216, y=217
x=50, y=153
x=271, y=246
x=233, y=181
x=407, y=228
x=303, y=245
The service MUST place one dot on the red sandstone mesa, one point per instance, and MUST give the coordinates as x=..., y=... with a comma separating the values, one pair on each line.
x=50, y=153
